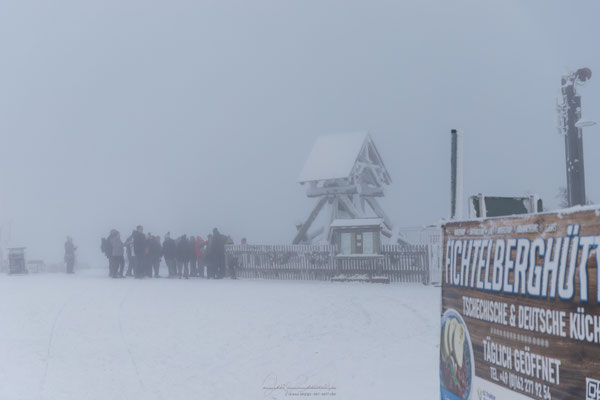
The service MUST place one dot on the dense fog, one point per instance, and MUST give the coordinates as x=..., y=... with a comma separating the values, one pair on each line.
x=185, y=115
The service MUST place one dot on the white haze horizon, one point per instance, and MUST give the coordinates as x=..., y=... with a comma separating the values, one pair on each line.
x=185, y=116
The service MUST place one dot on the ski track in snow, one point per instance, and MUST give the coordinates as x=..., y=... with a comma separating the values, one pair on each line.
x=366, y=315
x=49, y=347
x=131, y=358
x=94, y=338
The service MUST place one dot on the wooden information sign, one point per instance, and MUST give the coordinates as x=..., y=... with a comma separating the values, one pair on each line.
x=521, y=307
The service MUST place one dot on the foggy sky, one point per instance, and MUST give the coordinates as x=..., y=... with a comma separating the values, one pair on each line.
x=186, y=115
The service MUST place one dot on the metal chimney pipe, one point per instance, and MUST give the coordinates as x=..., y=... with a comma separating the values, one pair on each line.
x=456, y=175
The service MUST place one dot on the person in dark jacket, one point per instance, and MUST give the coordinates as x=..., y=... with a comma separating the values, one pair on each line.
x=183, y=257
x=107, y=250
x=218, y=250
x=139, y=248
x=147, y=256
x=209, y=259
x=117, y=262
x=70, y=255
x=170, y=254
x=192, y=255
x=156, y=253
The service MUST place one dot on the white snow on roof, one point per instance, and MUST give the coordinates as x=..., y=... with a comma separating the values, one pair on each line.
x=356, y=222
x=332, y=157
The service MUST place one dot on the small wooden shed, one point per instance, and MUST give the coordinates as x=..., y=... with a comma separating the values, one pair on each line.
x=357, y=236
x=16, y=260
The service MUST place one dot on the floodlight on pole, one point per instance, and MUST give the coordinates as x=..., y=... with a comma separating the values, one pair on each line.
x=584, y=123
x=570, y=125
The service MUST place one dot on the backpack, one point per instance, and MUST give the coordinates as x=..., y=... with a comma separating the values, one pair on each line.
x=105, y=247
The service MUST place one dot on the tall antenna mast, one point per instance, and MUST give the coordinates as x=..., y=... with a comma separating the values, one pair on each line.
x=569, y=114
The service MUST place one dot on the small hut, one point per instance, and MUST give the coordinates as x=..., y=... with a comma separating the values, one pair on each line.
x=16, y=260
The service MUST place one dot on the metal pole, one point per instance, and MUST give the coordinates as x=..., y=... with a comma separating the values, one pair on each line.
x=573, y=137
x=456, y=175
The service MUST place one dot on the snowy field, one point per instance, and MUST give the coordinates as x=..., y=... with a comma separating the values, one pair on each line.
x=90, y=337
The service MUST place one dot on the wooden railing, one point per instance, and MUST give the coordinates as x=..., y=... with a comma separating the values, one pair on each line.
x=398, y=263
x=307, y=262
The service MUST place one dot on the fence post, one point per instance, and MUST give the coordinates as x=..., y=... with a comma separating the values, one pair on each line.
x=426, y=273
x=335, y=260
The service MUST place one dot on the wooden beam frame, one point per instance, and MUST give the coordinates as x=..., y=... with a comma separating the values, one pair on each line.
x=311, y=218
x=379, y=211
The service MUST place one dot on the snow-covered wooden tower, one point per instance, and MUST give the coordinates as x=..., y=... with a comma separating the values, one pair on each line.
x=346, y=174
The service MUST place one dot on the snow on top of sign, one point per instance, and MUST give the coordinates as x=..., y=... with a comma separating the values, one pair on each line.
x=345, y=223
x=332, y=157
x=560, y=213
x=574, y=209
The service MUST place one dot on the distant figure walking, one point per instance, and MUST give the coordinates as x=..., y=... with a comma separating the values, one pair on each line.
x=70, y=255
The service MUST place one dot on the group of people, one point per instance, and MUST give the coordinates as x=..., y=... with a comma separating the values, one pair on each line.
x=184, y=256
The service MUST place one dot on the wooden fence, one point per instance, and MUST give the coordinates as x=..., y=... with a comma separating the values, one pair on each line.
x=406, y=263
x=398, y=263
x=432, y=237
x=307, y=262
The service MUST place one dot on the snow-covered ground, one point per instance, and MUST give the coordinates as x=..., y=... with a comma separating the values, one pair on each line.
x=85, y=336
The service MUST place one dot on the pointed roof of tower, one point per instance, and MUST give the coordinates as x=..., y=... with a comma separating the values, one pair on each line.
x=336, y=156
